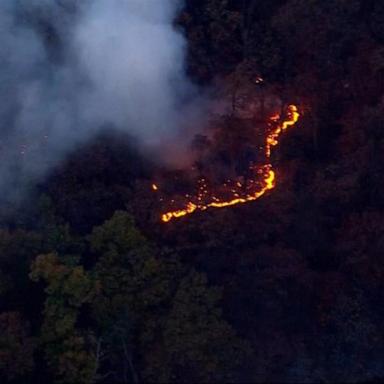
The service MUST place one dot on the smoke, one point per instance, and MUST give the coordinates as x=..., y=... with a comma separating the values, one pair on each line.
x=68, y=70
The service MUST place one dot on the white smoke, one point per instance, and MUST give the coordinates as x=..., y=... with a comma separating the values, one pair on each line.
x=67, y=70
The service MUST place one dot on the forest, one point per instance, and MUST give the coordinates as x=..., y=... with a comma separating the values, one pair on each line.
x=96, y=288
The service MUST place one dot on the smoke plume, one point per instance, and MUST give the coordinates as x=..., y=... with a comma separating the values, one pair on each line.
x=68, y=70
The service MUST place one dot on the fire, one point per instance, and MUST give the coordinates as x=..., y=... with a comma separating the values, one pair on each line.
x=182, y=212
x=292, y=116
x=268, y=182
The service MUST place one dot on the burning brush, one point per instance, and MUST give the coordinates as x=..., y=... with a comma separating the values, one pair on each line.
x=263, y=177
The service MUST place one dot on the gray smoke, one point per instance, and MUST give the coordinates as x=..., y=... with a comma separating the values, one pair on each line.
x=67, y=70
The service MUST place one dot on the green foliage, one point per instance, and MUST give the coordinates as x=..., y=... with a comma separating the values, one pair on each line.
x=56, y=233
x=199, y=346
x=126, y=267
x=170, y=321
x=69, y=287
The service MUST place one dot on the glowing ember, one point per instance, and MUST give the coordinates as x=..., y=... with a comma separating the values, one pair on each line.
x=254, y=189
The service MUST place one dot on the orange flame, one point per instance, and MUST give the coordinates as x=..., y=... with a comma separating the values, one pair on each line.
x=268, y=181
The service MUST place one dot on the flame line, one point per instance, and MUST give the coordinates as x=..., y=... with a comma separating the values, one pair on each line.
x=269, y=180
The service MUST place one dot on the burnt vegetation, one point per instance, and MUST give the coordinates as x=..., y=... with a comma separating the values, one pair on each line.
x=94, y=288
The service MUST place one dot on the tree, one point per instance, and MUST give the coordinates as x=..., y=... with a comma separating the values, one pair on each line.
x=213, y=30
x=69, y=350
x=160, y=317
x=198, y=345
x=17, y=250
x=16, y=347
